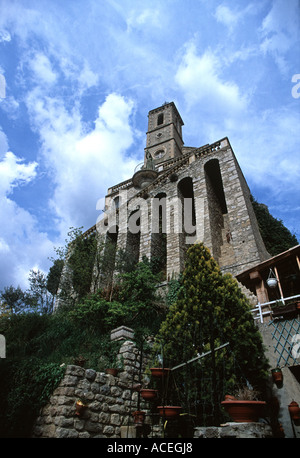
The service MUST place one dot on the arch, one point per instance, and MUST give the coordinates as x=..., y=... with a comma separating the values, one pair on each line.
x=160, y=119
x=186, y=194
x=134, y=236
x=159, y=234
x=109, y=256
x=187, y=236
x=214, y=180
x=217, y=208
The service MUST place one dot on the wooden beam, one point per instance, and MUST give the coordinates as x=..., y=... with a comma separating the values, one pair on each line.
x=279, y=284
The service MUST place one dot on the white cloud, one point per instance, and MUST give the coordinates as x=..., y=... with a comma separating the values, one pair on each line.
x=280, y=31
x=14, y=173
x=42, y=69
x=21, y=243
x=200, y=78
x=4, y=35
x=148, y=17
x=226, y=16
x=83, y=163
x=3, y=143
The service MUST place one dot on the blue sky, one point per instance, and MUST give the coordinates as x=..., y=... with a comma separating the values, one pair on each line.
x=78, y=77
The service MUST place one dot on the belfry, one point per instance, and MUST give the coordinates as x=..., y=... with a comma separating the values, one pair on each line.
x=180, y=195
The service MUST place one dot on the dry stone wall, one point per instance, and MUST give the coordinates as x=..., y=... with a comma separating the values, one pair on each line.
x=110, y=401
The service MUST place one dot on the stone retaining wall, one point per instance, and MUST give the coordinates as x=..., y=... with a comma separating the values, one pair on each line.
x=110, y=400
x=235, y=430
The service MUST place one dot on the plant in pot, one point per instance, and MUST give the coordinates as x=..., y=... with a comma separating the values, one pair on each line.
x=115, y=364
x=158, y=368
x=244, y=406
x=139, y=417
x=277, y=376
x=294, y=411
x=80, y=407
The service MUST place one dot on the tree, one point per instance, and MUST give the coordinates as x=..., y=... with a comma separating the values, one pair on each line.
x=13, y=298
x=54, y=275
x=211, y=310
x=38, y=297
x=277, y=238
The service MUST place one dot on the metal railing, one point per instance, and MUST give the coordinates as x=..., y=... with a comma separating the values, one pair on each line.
x=259, y=308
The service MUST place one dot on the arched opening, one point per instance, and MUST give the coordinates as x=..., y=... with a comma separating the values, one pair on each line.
x=159, y=235
x=134, y=236
x=160, y=119
x=109, y=258
x=188, y=215
x=217, y=207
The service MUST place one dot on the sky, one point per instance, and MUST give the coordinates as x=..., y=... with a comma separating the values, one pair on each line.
x=78, y=78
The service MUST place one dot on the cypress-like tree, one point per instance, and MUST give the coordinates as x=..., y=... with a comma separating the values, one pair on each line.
x=211, y=310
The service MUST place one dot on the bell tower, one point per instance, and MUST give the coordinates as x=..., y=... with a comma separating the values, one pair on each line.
x=164, y=136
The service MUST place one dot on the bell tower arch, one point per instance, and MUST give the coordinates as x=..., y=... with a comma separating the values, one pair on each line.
x=164, y=136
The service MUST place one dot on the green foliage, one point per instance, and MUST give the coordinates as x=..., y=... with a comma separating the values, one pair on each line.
x=211, y=310
x=82, y=261
x=276, y=236
x=53, y=277
x=38, y=344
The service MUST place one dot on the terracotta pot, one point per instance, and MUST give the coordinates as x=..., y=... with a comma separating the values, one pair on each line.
x=294, y=410
x=228, y=397
x=159, y=371
x=80, y=408
x=244, y=411
x=139, y=417
x=112, y=371
x=148, y=393
x=169, y=411
x=277, y=375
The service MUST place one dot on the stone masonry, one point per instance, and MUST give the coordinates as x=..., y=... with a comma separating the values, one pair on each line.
x=204, y=183
x=110, y=401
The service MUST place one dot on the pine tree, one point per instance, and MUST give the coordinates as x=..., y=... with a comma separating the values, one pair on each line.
x=211, y=310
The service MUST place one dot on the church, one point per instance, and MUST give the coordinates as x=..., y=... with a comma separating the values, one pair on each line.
x=181, y=195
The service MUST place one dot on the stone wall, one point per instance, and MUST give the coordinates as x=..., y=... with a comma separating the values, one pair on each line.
x=235, y=431
x=110, y=401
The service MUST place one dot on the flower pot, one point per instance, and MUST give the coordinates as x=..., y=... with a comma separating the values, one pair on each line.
x=294, y=410
x=80, y=408
x=112, y=371
x=169, y=411
x=277, y=376
x=139, y=417
x=147, y=393
x=159, y=371
x=244, y=411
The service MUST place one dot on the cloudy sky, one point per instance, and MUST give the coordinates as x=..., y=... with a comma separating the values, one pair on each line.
x=78, y=77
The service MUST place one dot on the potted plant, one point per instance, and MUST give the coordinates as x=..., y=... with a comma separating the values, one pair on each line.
x=294, y=411
x=244, y=407
x=114, y=364
x=80, y=407
x=277, y=376
x=148, y=393
x=160, y=371
x=139, y=417
x=169, y=411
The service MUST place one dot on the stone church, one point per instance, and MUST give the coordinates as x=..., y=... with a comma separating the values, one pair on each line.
x=181, y=195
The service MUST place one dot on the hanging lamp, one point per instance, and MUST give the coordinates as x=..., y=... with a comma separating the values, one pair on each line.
x=272, y=280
